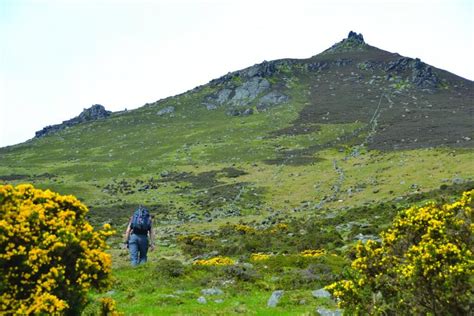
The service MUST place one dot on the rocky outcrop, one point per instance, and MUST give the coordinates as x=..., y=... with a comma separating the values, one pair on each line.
x=238, y=90
x=353, y=42
x=418, y=73
x=95, y=112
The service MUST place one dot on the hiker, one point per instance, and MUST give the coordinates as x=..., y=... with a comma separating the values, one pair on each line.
x=139, y=235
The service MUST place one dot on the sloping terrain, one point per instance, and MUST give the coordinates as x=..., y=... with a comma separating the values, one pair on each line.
x=279, y=167
x=351, y=126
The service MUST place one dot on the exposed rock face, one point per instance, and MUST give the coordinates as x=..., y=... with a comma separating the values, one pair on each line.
x=419, y=73
x=248, y=91
x=93, y=113
x=271, y=99
x=241, y=88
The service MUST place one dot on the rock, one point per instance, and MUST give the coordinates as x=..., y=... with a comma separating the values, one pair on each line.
x=249, y=90
x=166, y=110
x=328, y=312
x=421, y=74
x=95, y=112
x=264, y=69
x=202, y=300
x=458, y=180
x=271, y=99
x=355, y=37
x=219, y=301
x=212, y=291
x=317, y=66
x=210, y=106
x=353, y=42
x=321, y=293
x=365, y=238
x=342, y=62
x=240, y=112
x=275, y=298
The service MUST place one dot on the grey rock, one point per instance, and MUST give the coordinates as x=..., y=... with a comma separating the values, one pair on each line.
x=355, y=37
x=328, y=312
x=223, y=96
x=240, y=112
x=353, y=42
x=321, y=293
x=95, y=112
x=249, y=90
x=264, y=69
x=317, y=66
x=422, y=75
x=271, y=99
x=458, y=180
x=219, y=301
x=212, y=291
x=365, y=238
x=166, y=110
x=202, y=300
x=275, y=298
x=342, y=62
x=210, y=106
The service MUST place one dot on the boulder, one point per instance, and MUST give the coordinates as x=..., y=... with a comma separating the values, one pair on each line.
x=275, y=298
x=212, y=291
x=328, y=312
x=321, y=293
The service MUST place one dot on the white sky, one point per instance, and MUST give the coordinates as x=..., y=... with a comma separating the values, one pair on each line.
x=59, y=57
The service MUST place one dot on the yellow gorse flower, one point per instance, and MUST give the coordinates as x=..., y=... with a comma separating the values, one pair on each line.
x=427, y=252
x=314, y=253
x=50, y=254
x=216, y=261
x=259, y=257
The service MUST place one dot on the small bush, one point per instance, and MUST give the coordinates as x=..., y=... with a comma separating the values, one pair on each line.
x=170, y=268
x=242, y=272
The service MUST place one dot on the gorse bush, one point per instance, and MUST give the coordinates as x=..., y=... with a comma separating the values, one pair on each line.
x=50, y=256
x=423, y=265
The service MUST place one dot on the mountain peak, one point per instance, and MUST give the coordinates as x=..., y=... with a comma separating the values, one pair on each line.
x=353, y=36
x=353, y=42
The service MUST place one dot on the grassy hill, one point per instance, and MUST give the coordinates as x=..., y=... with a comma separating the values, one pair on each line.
x=343, y=139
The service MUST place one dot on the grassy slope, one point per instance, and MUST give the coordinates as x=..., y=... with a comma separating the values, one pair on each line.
x=206, y=161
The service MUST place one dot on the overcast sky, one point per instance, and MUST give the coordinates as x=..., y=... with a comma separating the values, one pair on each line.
x=59, y=57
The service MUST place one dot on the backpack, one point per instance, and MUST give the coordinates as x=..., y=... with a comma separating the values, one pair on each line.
x=141, y=221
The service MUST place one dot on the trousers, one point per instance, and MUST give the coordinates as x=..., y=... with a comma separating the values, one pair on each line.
x=138, y=247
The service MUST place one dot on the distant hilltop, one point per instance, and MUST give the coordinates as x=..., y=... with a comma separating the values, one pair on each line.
x=93, y=113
